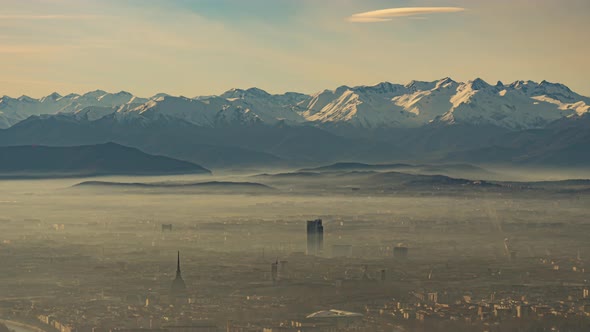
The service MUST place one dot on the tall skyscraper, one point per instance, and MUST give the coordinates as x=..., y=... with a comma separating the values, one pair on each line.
x=315, y=237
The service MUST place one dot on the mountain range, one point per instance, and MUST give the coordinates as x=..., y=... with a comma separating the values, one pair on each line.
x=521, y=122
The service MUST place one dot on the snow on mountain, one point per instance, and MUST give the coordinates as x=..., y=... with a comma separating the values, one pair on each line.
x=319, y=101
x=100, y=98
x=428, y=105
x=208, y=113
x=516, y=106
x=160, y=95
x=120, y=98
x=53, y=97
x=364, y=106
x=519, y=105
x=383, y=105
x=93, y=113
x=269, y=108
x=415, y=86
x=579, y=107
x=555, y=91
x=13, y=110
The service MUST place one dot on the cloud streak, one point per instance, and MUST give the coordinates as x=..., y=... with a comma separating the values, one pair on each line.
x=385, y=15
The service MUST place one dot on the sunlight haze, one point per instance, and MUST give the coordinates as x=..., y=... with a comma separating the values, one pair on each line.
x=202, y=47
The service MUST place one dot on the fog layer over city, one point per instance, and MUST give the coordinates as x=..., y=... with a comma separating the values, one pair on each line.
x=101, y=253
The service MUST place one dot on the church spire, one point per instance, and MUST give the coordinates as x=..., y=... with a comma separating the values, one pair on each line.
x=178, y=285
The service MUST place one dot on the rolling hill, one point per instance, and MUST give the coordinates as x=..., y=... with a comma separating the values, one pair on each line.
x=89, y=160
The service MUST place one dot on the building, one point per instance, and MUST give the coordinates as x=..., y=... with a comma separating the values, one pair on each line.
x=315, y=237
x=178, y=288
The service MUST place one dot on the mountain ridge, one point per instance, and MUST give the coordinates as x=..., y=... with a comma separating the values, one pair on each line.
x=88, y=160
x=420, y=122
x=516, y=106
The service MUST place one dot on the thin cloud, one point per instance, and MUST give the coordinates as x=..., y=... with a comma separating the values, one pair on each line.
x=385, y=15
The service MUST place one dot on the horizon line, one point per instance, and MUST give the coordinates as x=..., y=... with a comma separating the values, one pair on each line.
x=106, y=91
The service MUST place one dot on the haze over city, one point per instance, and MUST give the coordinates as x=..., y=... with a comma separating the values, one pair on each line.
x=294, y=166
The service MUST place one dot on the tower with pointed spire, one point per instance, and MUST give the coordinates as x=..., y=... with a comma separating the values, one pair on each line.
x=178, y=285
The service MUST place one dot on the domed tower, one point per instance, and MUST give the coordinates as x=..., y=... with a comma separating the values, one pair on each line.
x=178, y=285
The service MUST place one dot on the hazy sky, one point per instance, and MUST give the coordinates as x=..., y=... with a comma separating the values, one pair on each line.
x=200, y=47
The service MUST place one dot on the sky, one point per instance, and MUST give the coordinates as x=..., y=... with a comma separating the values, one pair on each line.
x=204, y=47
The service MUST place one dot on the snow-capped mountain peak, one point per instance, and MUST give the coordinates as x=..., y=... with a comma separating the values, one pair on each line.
x=26, y=99
x=95, y=94
x=478, y=84
x=54, y=96
x=16, y=110
x=242, y=94
x=414, y=85
x=518, y=105
x=446, y=82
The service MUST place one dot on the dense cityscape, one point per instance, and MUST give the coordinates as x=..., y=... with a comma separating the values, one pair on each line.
x=328, y=275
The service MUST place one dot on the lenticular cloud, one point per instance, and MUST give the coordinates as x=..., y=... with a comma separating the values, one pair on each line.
x=384, y=15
